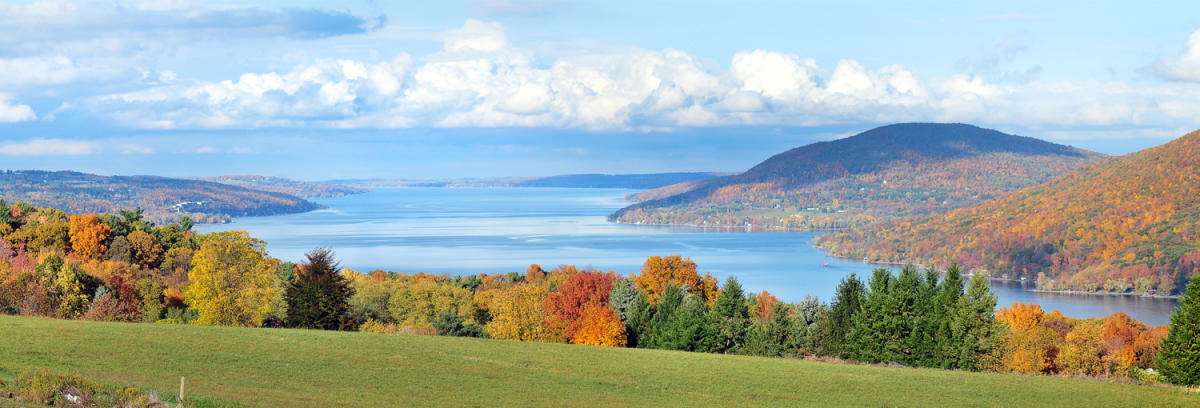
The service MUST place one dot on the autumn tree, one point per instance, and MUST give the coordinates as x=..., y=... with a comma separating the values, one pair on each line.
x=658, y=271
x=120, y=250
x=89, y=236
x=1020, y=316
x=565, y=306
x=1179, y=355
x=1083, y=353
x=232, y=280
x=147, y=253
x=599, y=325
x=318, y=299
x=518, y=313
x=764, y=305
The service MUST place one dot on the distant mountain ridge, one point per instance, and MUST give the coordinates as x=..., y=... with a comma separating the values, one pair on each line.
x=1128, y=225
x=287, y=186
x=887, y=172
x=164, y=199
x=627, y=181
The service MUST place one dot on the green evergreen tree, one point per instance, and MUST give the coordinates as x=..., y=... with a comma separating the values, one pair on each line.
x=870, y=333
x=1179, y=356
x=732, y=315
x=448, y=323
x=683, y=322
x=973, y=327
x=634, y=309
x=944, y=305
x=846, y=304
x=922, y=342
x=319, y=298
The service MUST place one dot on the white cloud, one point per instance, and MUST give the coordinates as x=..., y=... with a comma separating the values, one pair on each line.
x=48, y=147
x=477, y=35
x=14, y=112
x=1184, y=68
x=479, y=80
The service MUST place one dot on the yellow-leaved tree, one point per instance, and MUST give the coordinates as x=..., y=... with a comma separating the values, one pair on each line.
x=232, y=280
x=88, y=235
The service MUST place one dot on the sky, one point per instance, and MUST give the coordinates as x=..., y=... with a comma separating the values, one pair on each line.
x=374, y=89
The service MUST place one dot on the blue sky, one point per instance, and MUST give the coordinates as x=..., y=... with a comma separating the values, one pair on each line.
x=321, y=90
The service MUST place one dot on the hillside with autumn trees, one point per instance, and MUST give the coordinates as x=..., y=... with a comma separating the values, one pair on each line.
x=885, y=173
x=1127, y=225
x=163, y=199
x=122, y=268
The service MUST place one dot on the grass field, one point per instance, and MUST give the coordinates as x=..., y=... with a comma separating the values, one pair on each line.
x=297, y=368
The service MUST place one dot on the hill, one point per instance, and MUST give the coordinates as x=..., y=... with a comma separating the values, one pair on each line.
x=303, y=368
x=888, y=172
x=1126, y=225
x=287, y=186
x=164, y=199
x=628, y=181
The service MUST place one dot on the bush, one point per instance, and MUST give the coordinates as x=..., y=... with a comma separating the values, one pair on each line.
x=44, y=387
x=1148, y=375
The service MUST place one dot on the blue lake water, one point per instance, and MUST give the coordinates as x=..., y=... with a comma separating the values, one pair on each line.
x=458, y=231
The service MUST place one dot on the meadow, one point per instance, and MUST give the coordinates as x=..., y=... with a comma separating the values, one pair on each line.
x=313, y=368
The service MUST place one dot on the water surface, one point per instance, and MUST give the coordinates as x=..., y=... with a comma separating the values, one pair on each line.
x=458, y=231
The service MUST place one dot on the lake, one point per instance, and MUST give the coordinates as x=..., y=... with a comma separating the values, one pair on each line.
x=459, y=231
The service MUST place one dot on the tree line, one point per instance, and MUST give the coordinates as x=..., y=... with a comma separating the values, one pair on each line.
x=122, y=268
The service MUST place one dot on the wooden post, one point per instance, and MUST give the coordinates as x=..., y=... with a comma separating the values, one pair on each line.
x=181, y=392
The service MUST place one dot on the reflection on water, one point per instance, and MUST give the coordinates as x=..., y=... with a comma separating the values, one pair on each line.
x=480, y=230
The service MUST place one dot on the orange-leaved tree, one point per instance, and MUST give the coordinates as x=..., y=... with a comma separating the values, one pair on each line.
x=764, y=305
x=565, y=306
x=599, y=325
x=1020, y=316
x=658, y=271
x=88, y=235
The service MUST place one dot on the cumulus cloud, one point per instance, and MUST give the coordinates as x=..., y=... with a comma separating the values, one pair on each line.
x=14, y=112
x=48, y=147
x=1184, y=68
x=479, y=79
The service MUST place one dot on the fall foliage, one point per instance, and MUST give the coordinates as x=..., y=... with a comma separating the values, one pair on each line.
x=1126, y=225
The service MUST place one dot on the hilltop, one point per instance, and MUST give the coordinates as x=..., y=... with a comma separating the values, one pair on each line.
x=164, y=199
x=314, y=368
x=287, y=186
x=885, y=173
x=1129, y=224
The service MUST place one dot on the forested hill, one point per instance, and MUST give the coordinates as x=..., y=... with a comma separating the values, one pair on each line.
x=1130, y=224
x=628, y=181
x=288, y=186
x=164, y=199
x=888, y=172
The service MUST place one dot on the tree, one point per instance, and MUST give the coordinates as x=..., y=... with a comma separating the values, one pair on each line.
x=846, y=304
x=581, y=290
x=120, y=250
x=147, y=253
x=1020, y=316
x=682, y=321
x=518, y=313
x=633, y=307
x=1179, y=354
x=972, y=326
x=232, y=280
x=449, y=323
x=318, y=299
x=657, y=272
x=732, y=315
x=599, y=326
x=1084, y=350
x=88, y=235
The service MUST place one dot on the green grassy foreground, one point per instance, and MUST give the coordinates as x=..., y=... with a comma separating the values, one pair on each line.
x=274, y=367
